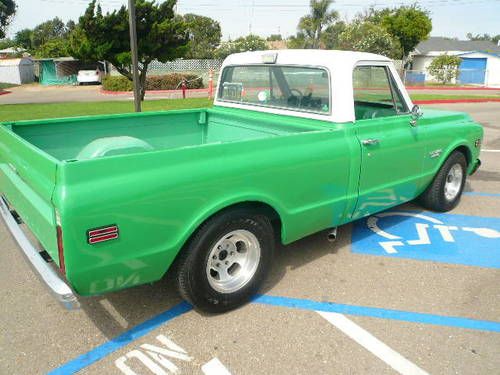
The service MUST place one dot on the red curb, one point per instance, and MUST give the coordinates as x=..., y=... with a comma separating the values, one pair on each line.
x=443, y=101
x=5, y=92
x=459, y=88
x=108, y=92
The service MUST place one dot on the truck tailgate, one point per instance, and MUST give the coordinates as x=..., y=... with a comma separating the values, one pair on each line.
x=27, y=180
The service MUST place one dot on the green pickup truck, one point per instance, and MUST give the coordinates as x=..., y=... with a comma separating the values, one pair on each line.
x=297, y=142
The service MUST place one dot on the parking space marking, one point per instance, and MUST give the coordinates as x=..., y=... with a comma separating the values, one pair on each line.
x=372, y=344
x=377, y=312
x=158, y=359
x=481, y=194
x=214, y=367
x=120, y=341
x=446, y=238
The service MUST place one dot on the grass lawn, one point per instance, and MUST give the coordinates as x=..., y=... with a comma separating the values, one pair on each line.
x=13, y=112
x=6, y=85
x=417, y=96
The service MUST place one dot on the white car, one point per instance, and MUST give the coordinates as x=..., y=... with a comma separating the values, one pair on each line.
x=89, y=76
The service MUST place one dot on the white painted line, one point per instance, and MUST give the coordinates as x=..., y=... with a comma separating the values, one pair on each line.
x=423, y=236
x=446, y=232
x=372, y=344
x=389, y=246
x=490, y=150
x=214, y=367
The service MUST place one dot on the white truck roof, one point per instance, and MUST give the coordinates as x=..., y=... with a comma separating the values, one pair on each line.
x=340, y=65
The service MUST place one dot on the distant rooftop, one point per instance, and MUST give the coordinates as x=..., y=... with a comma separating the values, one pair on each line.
x=445, y=44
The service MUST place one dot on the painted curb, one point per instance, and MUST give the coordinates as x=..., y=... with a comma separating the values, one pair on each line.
x=5, y=92
x=108, y=92
x=457, y=88
x=444, y=101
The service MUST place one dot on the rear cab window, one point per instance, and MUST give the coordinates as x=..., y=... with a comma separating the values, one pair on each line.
x=302, y=89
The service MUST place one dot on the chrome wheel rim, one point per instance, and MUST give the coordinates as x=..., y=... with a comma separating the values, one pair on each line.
x=233, y=261
x=453, y=182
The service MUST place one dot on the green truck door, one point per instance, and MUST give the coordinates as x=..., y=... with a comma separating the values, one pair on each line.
x=391, y=149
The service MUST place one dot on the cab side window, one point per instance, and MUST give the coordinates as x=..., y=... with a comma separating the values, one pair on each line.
x=376, y=93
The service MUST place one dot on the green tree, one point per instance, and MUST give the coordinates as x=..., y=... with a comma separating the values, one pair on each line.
x=52, y=29
x=23, y=39
x=161, y=35
x=365, y=36
x=204, y=36
x=485, y=37
x=330, y=37
x=445, y=68
x=274, y=38
x=242, y=44
x=6, y=43
x=408, y=24
x=7, y=11
x=311, y=26
x=56, y=47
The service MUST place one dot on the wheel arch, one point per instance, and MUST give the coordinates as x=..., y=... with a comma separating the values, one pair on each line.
x=461, y=147
x=260, y=205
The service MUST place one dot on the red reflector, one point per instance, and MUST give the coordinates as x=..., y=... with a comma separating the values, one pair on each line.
x=102, y=234
x=98, y=232
x=60, y=249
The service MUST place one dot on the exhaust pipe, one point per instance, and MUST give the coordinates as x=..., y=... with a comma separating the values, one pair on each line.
x=332, y=235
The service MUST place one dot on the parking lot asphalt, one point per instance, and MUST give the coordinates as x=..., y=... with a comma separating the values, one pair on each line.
x=343, y=307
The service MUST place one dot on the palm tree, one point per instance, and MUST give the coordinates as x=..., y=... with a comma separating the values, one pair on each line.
x=312, y=25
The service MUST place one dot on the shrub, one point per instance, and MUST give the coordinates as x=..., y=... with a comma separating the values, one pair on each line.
x=164, y=82
x=172, y=81
x=117, y=83
x=445, y=68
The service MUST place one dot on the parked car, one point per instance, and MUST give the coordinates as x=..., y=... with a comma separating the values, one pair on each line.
x=89, y=76
x=297, y=142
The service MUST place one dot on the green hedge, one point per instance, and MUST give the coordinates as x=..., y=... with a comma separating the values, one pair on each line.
x=164, y=82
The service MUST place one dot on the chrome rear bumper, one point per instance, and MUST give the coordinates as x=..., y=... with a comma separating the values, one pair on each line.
x=59, y=288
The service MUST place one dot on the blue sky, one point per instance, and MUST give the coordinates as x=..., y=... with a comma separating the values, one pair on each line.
x=451, y=18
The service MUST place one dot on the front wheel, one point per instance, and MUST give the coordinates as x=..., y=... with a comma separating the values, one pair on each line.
x=444, y=193
x=226, y=260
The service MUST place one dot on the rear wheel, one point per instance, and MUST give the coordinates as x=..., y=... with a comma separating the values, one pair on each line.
x=226, y=260
x=444, y=193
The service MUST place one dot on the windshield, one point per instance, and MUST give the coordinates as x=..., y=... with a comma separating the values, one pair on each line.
x=294, y=88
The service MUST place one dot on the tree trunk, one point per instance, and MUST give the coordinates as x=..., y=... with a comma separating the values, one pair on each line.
x=142, y=80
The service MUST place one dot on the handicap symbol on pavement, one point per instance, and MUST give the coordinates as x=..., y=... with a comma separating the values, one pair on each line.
x=449, y=238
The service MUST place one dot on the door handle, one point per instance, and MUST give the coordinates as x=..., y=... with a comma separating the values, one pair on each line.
x=370, y=141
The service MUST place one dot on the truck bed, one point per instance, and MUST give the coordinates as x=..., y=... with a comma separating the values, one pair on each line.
x=97, y=136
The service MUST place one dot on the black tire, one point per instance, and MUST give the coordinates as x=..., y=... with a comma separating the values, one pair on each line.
x=434, y=197
x=192, y=274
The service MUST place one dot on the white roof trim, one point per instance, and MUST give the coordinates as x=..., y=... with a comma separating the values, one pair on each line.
x=340, y=65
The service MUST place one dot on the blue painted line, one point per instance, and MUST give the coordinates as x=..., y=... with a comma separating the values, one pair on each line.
x=480, y=194
x=120, y=341
x=376, y=312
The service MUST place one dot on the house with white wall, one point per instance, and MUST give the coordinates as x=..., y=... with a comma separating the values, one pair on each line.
x=480, y=59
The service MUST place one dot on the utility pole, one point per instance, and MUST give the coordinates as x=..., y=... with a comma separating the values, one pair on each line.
x=135, y=58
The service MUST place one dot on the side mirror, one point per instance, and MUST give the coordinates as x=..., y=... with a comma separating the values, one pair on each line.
x=416, y=113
